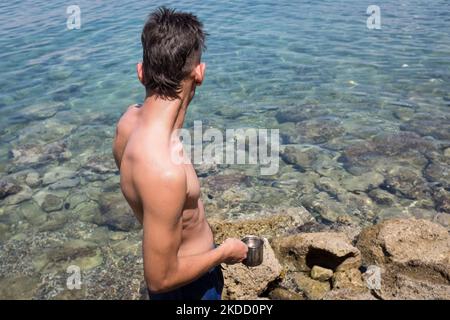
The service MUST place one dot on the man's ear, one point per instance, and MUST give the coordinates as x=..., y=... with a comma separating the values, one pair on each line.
x=199, y=73
x=140, y=72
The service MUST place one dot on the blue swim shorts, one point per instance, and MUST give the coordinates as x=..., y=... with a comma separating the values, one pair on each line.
x=207, y=287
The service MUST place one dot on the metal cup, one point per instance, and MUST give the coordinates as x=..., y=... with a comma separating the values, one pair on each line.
x=255, y=251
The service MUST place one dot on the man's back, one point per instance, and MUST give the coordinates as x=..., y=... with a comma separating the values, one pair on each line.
x=134, y=146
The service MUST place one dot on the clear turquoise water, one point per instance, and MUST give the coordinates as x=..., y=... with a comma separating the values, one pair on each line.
x=70, y=87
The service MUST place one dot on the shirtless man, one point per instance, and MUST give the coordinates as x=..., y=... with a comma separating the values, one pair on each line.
x=180, y=259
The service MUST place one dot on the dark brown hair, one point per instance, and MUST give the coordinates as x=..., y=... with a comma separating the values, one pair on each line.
x=172, y=45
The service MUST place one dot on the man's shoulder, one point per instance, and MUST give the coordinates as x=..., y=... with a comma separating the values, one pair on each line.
x=124, y=127
x=129, y=115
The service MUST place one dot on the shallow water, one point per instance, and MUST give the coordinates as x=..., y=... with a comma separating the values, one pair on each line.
x=365, y=112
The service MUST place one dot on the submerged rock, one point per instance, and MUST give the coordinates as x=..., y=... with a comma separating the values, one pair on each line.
x=393, y=144
x=8, y=188
x=443, y=219
x=364, y=182
x=388, y=147
x=29, y=154
x=77, y=252
x=359, y=207
x=299, y=113
x=55, y=221
x=32, y=213
x=304, y=156
x=437, y=127
x=382, y=197
x=315, y=131
x=242, y=282
x=52, y=203
x=406, y=182
x=404, y=114
x=270, y=226
x=19, y=287
x=65, y=183
x=101, y=164
x=127, y=247
x=33, y=179
x=44, y=132
x=58, y=173
x=220, y=183
x=24, y=194
x=88, y=211
x=330, y=186
x=4, y=231
x=234, y=196
x=206, y=169
x=414, y=256
x=438, y=173
x=324, y=205
x=442, y=200
x=42, y=110
x=116, y=214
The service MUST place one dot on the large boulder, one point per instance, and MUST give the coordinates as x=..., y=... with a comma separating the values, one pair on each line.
x=331, y=250
x=348, y=294
x=414, y=257
x=243, y=282
x=318, y=262
x=280, y=293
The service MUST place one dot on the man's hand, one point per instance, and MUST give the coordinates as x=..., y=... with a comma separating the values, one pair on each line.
x=235, y=250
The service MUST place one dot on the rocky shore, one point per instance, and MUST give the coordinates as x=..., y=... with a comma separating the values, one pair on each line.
x=395, y=259
x=341, y=182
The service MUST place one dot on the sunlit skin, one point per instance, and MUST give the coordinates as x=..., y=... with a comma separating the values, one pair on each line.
x=165, y=194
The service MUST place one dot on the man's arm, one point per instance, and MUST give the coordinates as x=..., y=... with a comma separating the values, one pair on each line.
x=163, y=195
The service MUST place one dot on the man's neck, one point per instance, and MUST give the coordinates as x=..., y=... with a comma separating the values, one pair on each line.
x=167, y=114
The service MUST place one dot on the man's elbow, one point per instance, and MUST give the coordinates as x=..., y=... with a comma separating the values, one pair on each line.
x=160, y=285
x=155, y=287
